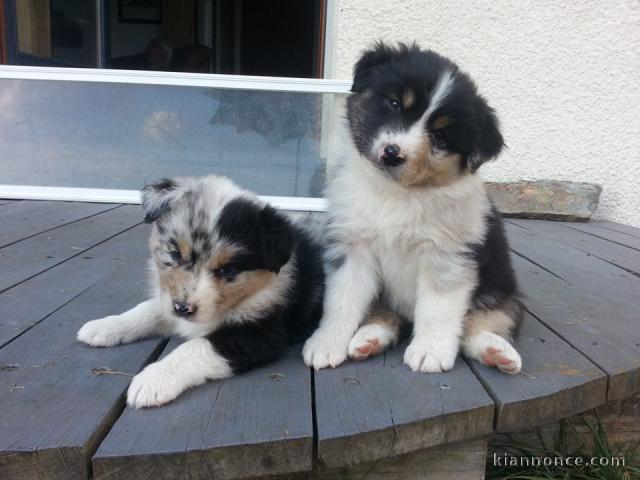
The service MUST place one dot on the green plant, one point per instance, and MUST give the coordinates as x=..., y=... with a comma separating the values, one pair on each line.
x=561, y=469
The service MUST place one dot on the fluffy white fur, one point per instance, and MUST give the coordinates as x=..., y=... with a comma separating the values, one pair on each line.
x=189, y=365
x=398, y=238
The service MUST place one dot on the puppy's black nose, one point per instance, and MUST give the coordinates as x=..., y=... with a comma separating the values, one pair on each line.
x=184, y=309
x=391, y=156
x=391, y=151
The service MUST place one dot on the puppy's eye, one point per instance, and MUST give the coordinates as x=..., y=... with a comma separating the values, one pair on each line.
x=438, y=135
x=394, y=104
x=175, y=255
x=228, y=273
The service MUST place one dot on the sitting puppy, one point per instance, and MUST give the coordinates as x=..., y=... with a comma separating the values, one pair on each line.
x=231, y=275
x=411, y=231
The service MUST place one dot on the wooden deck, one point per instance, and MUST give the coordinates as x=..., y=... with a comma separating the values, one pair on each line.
x=62, y=403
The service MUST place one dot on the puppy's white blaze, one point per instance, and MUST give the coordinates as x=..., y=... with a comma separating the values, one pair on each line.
x=191, y=364
x=440, y=93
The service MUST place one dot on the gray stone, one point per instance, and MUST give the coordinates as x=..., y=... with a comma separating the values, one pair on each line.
x=546, y=199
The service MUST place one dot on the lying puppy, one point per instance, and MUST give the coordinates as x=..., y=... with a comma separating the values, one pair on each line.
x=410, y=225
x=230, y=274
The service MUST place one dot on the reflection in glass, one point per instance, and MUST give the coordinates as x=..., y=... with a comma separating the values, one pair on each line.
x=121, y=136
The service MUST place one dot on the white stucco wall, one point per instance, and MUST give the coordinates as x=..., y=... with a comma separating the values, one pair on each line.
x=563, y=76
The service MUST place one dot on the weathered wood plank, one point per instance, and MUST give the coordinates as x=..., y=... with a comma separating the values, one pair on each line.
x=617, y=227
x=557, y=381
x=606, y=234
x=460, y=461
x=378, y=408
x=29, y=217
x=55, y=408
x=610, y=339
x=26, y=258
x=619, y=255
x=603, y=280
x=28, y=303
x=258, y=423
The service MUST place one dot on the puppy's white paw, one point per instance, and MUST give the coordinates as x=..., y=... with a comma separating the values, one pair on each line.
x=370, y=340
x=494, y=351
x=153, y=387
x=430, y=355
x=500, y=354
x=104, y=332
x=324, y=350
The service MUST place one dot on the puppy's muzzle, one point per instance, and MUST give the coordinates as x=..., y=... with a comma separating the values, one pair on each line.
x=183, y=309
x=392, y=156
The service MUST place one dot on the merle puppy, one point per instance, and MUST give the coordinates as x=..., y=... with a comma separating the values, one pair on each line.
x=230, y=274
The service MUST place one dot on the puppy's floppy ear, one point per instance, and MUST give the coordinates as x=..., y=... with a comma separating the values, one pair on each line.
x=369, y=60
x=157, y=198
x=278, y=238
x=490, y=141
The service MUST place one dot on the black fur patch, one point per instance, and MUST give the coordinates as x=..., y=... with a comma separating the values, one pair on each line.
x=266, y=235
x=496, y=278
x=270, y=240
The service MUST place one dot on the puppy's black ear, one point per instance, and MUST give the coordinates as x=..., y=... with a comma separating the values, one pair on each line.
x=157, y=198
x=490, y=141
x=278, y=238
x=370, y=59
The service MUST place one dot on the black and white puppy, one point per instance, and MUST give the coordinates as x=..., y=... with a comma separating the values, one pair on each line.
x=412, y=233
x=230, y=274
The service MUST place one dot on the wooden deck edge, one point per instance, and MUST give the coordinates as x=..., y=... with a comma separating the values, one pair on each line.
x=63, y=463
x=235, y=462
x=465, y=460
x=565, y=403
x=402, y=439
x=623, y=385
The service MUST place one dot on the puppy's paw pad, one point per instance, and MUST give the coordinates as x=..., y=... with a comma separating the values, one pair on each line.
x=370, y=340
x=323, y=350
x=506, y=359
x=152, y=387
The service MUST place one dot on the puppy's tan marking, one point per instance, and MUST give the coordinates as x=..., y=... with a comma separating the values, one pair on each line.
x=441, y=122
x=408, y=99
x=423, y=168
x=246, y=284
x=222, y=256
x=184, y=247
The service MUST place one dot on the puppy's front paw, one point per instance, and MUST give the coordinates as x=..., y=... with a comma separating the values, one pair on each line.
x=324, y=350
x=104, y=332
x=152, y=387
x=431, y=355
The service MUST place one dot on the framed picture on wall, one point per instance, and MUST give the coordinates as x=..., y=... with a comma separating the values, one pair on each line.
x=140, y=11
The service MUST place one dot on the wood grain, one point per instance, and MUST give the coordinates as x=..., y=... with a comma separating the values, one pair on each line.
x=26, y=258
x=378, y=408
x=557, y=381
x=24, y=305
x=610, y=339
x=619, y=255
x=618, y=288
x=257, y=423
x=29, y=217
x=56, y=408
